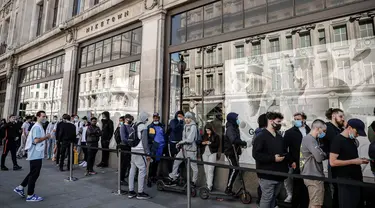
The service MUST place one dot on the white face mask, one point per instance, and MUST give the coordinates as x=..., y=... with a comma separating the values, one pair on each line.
x=75, y=119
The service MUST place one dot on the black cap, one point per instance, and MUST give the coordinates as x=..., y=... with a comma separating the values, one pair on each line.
x=156, y=115
x=358, y=125
x=128, y=116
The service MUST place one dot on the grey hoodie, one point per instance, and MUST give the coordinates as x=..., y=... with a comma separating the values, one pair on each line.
x=189, y=136
x=312, y=157
x=142, y=147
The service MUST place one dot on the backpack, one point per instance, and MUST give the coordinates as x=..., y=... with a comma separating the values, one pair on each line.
x=133, y=139
x=117, y=135
x=198, y=138
x=371, y=151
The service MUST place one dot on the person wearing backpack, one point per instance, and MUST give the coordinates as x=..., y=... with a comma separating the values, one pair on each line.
x=138, y=141
x=93, y=134
x=188, y=148
x=156, y=140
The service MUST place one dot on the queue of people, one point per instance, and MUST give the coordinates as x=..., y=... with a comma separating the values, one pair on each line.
x=298, y=150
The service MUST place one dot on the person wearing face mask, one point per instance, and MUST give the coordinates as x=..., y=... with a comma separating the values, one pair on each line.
x=83, y=142
x=345, y=159
x=156, y=141
x=270, y=153
x=65, y=134
x=25, y=131
x=51, y=141
x=11, y=133
x=107, y=130
x=209, y=148
x=296, y=190
x=175, y=129
x=232, y=142
x=311, y=162
x=125, y=130
x=79, y=126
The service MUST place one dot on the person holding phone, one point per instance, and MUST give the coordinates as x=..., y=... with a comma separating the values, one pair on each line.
x=345, y=159
x=269, y=152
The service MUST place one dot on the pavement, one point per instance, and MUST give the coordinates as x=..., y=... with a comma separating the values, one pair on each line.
x=90, y=192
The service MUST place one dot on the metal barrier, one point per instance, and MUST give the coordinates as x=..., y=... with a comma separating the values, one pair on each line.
x=189, y=161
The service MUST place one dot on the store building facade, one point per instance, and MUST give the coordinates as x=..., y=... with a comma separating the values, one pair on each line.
x=246, y=56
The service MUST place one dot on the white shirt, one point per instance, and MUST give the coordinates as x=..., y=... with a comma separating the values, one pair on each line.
x=84, y=129
x=78, y=125
x=25, y=127
x=303, y=131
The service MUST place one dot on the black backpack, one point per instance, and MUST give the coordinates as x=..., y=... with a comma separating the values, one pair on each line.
x=117, y=135
x=133, y=139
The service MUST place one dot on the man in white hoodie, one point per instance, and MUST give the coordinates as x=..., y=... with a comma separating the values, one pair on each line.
x=139, y=161
x=188, y=147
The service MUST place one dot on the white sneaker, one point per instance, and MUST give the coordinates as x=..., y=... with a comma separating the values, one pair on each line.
x=288, y=199
x=84, y=164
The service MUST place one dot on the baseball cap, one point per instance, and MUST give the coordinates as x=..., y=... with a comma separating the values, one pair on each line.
x=156, y=115
x=358, y=125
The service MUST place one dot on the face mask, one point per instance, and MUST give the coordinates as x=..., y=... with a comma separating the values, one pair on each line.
x=277, y=127
x=156, y=122
x=75, y=119
x=180, y=119
x=238, y=122
x=298, y=123
x=321, y=135
x=351, y=136
x=121, y=123
x=44, y=120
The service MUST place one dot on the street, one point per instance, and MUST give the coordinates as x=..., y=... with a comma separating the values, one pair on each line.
x=91, y=192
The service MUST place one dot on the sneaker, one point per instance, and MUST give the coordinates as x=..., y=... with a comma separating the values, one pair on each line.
x=228, y=191
x=84, y=164
x=99, y=165
x=34, y=198
x=288, y=199
x=17, y=167
x=132, y=194
x=124, y=183
x=4, y=168
x=143, y=195
x=19, y=191
x=93, y=173
x=81, y=163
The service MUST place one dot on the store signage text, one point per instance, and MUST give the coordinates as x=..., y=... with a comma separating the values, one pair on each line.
x=108, y=21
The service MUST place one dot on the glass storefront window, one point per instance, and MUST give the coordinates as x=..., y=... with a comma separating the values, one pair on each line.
x=212, y=19
x=194, y=24
x=178, y=32
x=125, y=44
x=43, y=96
x=255, y=12
x=116, y=89
x=328, y=66
x=116, y=47
x=107, y=50
x=232, y=15
x=136, y=41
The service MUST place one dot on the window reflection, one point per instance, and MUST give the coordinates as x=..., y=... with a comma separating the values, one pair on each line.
x=113, y=89
x=53, y=66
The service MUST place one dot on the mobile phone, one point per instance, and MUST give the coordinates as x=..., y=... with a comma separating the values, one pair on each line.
x=283, y=154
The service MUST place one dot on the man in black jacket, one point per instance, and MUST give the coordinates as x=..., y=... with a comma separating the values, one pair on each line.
x=65, y=134
x=270, y=154
x=107, y=130
x=12, y=131
x=93, y=134
x=296, y=189
x=232, y=142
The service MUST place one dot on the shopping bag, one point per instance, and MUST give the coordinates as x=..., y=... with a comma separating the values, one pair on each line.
x=75, y=157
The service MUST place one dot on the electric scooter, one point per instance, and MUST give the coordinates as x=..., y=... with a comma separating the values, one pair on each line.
x=242, y=193
x=178, y=185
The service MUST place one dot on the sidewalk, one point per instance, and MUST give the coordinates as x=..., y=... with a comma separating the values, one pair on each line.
x=91, y=192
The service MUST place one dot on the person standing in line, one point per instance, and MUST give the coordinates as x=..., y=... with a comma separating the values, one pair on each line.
x=11, y=133
x=335, y=126
x=125, y=131
x=176, y=126
x=345, y=159
x=79, y=128
x=107, y=130
x=58, y=142
x=269, y=152
x=156, y=141
x=232, y=142
x=25, y=131
x=66, y=134
x=296, y=190
x=93, y=135
x=139, y=161
x=209, y=147
x=52, y=141
x=35, y=147
x=311, y=162
x=371, y=138
x=84, y=142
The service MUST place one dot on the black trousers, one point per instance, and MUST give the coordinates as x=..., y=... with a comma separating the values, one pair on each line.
x=65, y=150
x=84, y=150
x=300, y=194
x=349, y=196
x=12, y=147
x=91, y=159
x=105, y=154
x=232, y=172
x=32, y=177
x=125, y=162
x=334, y=187
x=58, y=152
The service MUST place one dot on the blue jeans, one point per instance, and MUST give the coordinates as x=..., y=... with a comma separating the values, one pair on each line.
x=50, y=145
x=270, y=190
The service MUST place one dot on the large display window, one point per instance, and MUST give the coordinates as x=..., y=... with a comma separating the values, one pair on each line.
x=310, y=68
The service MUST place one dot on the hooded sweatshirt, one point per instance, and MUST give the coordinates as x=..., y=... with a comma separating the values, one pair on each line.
x=142, y=147
x=232, y=136
x=175, y=128
x=107, y=127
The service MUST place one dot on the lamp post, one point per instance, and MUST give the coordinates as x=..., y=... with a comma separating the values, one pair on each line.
x=181, y=69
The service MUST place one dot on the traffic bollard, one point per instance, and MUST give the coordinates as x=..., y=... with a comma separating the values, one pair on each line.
x=71, y=178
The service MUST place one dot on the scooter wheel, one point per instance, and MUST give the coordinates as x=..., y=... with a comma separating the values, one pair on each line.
x=160, y=185
x=193, y=192
x=204, y=193
x=246, y=198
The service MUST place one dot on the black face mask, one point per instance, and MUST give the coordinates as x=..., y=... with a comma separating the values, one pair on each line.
x=277, y=127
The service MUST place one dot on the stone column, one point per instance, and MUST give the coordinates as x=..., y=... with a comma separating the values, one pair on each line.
x=34, y=21
x=71, y=52
x=10, y=105
x=151, y=73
